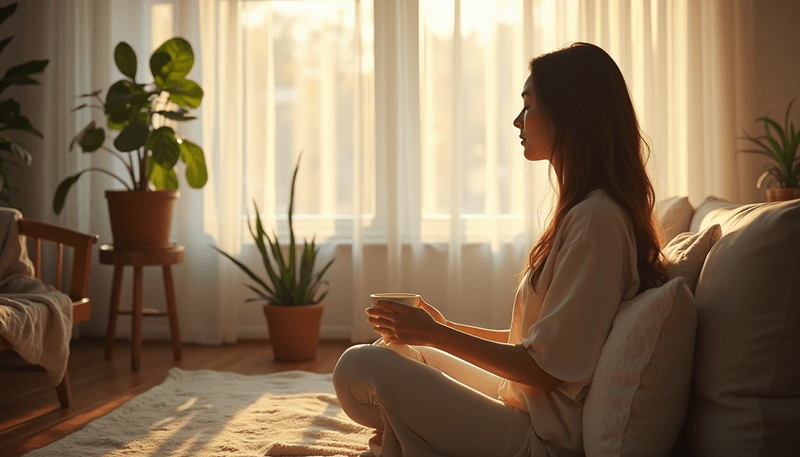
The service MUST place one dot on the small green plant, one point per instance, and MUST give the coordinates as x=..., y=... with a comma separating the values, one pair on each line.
x=288, y=284
x=13, y=151
x=140, y=112
x=780, y=146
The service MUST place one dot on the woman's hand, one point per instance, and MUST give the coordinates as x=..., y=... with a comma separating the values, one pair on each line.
x=403, y=324
x=435, y=314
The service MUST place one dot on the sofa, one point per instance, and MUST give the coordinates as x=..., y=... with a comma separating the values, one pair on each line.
x=709, y=363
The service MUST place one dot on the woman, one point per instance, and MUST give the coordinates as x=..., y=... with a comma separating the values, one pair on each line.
x=436, y=388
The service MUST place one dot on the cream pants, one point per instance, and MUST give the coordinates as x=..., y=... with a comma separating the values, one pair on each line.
x=424, y=402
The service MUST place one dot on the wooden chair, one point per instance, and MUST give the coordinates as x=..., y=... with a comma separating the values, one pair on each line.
x=78, y=286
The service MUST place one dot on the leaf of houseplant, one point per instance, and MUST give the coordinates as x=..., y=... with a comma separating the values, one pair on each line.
x=158, y=64
x=114, y=125
x=15, y=148
x=7, y=11
x=119, y=101
x=164, y=146
x=26, y=69
x=125, y=58
x=132, y=137
x=192, y=156
x=62, y=190
x=244, y=268
x=21, y=123
x=179, y=115
x=278, y=278
x=90, y=139
x=261, y=295
x=179, y=64
x=318, y=279
x=160, y=177
x=778, y=148
x=5, y=42
x=184, y=92
x=10, y=116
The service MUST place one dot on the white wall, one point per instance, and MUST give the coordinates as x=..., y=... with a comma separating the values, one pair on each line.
x=777, y=64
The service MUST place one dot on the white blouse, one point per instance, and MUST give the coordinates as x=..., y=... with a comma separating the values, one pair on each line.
x=591, y=268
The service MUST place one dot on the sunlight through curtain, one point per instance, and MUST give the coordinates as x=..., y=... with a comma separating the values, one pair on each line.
x=412, y=175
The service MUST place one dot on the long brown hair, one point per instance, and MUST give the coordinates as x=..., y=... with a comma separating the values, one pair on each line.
x=597, y=144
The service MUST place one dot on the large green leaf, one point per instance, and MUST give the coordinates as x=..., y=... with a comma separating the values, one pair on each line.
x=165, y=148
x=158, y=65
x=178, y=66
x=119, y=101
x=132, y=137
x=125, y=58
x=162, y=178
x=184, y=92
x=196, y=172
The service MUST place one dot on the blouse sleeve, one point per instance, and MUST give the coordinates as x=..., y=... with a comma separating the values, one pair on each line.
x=590, y=276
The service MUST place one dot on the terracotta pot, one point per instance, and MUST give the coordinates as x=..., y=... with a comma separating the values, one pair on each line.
x=294, y=331
x=141, y=220
x=781, y=194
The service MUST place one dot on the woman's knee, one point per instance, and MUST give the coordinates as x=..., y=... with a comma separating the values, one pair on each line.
x=358, y=362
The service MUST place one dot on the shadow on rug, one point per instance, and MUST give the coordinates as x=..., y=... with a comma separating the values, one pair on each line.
x=209, y=413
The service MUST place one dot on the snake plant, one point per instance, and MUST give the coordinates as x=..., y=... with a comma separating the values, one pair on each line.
x=288, y=283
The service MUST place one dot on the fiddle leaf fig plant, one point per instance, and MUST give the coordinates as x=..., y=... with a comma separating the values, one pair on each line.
x=13, y=152
x=779, y=144
x=144, y=115
x=287, y=283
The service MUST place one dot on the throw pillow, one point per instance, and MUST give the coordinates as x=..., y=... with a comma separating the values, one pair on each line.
x=685, y=254
x=637, y=400
x=674, y=215
x=747, y=369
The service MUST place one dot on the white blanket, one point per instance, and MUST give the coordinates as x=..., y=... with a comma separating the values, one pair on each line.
x=35, y=318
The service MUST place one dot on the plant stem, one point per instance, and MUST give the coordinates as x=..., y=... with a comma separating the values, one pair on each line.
x=128, y=165
x=143, y=169
x=101, y=170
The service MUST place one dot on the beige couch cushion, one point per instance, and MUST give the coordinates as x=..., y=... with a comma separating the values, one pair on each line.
x=706, y=214
x=746, y=387
x=675, y=215
x=638, y=396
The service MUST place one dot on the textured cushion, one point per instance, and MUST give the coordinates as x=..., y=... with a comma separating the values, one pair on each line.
x=746, y=388
x=675, y=215
x=637, y=400
x=685, y=254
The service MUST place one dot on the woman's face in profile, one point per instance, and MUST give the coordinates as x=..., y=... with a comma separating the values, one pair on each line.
x=533, y=129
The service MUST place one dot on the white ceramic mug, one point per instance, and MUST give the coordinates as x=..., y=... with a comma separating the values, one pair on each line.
x=397, y=297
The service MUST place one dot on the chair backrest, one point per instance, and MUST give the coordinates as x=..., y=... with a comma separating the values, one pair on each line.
x=81, y=244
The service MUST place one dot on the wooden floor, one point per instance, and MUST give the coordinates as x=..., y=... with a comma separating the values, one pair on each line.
x=30, y=416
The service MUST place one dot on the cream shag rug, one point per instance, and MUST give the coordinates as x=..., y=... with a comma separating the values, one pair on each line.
x=211, y=413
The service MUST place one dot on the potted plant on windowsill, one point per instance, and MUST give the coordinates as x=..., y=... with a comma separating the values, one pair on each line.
x=291, y=290
x=780, y=146
x=145, y=116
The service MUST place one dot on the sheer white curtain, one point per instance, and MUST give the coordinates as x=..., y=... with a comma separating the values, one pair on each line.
x=411, y=173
